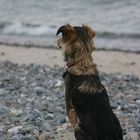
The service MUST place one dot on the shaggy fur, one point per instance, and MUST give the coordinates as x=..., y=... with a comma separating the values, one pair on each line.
x=87, y=102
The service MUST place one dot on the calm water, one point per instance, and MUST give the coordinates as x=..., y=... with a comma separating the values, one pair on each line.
x=35, y=22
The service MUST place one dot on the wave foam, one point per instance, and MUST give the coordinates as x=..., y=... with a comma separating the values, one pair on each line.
x=26, y=29
x=23, y=29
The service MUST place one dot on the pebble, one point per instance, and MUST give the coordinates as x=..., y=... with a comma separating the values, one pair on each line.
x=132, y=136
x=14, y=130
x=16, y=112
x=49, y=116
x=2, y=135
x=20, y=137
x=60, y=119
x=32, y=101
x=43, y=136
x=45, y=126
x=27, y=129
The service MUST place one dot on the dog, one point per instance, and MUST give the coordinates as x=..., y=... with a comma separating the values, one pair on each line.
x=87, y=102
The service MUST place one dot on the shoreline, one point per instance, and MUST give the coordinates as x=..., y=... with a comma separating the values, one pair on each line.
x=107, y=61
x=53, y=47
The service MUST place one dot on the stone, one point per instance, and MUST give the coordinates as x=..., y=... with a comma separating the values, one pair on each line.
x=15, y=137
x=2, y=135
x=2, y=127
x=59, y=83
x=39, y=90
x=35, y=132
x=132, y=136
x=14, y=130
x=27, y=129
x=114, y=104
x=21, y=137
x=45, y=126
x=138, y=101
x=2, y=53
x=43, y=136
x=16, y=112
x=59, y=118
x=49, y=116
x=3, y=109
x=34, y=114
x=28, y=138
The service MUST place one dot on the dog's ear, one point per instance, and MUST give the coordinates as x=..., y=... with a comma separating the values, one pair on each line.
x=91, y=33
x=66, y=30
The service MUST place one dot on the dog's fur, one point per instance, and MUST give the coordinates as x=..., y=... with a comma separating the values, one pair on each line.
x=87, y=102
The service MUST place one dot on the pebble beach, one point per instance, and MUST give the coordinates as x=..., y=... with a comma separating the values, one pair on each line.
x=32, y=102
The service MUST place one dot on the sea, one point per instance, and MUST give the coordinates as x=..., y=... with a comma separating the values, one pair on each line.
x=35, y=22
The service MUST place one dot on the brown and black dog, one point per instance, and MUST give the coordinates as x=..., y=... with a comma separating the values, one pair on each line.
x=87, y=102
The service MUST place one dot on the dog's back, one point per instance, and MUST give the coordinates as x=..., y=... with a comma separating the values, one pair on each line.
x=91, y=104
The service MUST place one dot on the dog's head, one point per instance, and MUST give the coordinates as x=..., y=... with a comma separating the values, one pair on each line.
x=75, y=40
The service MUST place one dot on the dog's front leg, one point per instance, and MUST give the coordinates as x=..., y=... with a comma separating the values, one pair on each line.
x=73, y=118
x=69, y=107
x=71, y=112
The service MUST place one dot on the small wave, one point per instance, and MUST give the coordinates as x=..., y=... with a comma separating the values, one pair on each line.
x=118, y=35
x=37, y=35
x=18, y=28
x=26, y=29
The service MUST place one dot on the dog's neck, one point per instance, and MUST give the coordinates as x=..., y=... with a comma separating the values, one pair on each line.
x=81, y=67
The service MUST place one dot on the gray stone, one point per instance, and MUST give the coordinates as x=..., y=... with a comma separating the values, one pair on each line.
x=39, y=90
x=3, y=91
x=45, y=126
x=49, y=116
x=21, y=137
x=43, y=136
x=114, y=104
x=132, y=136
x=35, y=132
x=2, y=127
x=3, y=109
x=59, y=83
x=27, y=129
x=34, y=114
x=16, y=112
x=2, y=135
x=28, y=138
x=14, y=130
x=16, y=137
x=59, y=118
